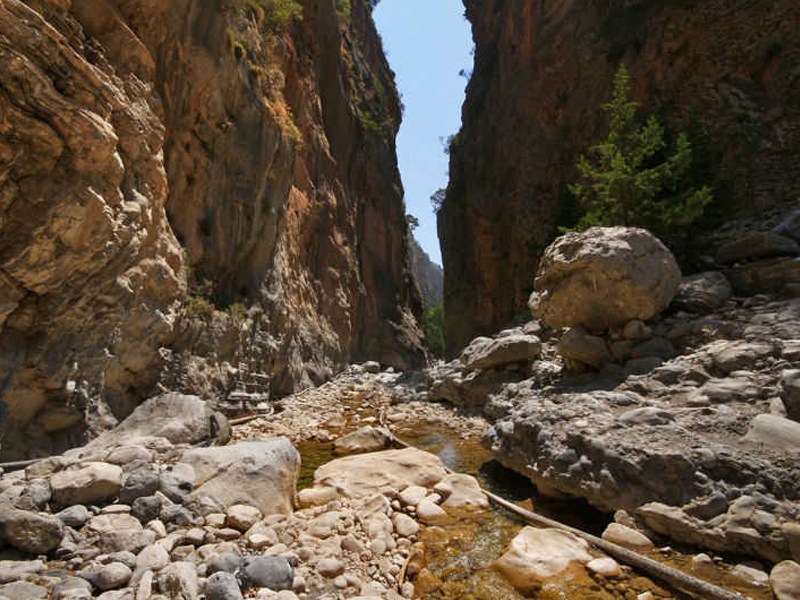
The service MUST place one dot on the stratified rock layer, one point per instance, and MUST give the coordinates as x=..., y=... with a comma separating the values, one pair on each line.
x=542, y=71
x=162, y=160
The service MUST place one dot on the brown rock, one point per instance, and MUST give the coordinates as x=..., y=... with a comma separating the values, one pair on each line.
x=603, y=278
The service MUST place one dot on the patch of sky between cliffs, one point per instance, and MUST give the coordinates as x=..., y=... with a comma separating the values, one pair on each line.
x=429, y=46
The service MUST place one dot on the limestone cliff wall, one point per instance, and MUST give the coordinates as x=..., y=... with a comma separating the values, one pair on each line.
x=200, y=178
x=542, y=69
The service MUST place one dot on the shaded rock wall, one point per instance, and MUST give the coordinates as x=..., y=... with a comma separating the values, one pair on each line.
x=541, y=71
x=191, y=177
x=429, y=275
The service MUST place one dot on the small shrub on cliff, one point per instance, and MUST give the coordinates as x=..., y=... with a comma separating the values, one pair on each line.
x=634, y=178
x=283, y=12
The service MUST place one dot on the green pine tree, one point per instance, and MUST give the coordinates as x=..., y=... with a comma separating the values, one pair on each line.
x=633, y=178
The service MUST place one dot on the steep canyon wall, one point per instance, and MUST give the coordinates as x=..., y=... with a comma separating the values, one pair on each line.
x=190, y=191
x=542, y=70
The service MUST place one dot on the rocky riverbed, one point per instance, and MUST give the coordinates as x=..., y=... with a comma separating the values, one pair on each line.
x=159, y=508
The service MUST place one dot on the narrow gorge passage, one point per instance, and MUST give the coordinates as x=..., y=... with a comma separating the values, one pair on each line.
x=215, y=319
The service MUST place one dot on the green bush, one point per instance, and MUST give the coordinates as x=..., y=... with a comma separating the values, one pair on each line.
x=634, y=177
x=433, y=327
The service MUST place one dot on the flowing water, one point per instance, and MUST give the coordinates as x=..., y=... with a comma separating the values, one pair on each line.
x=459, y=554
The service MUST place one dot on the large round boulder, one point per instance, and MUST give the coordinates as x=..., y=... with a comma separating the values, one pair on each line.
x=604, y=277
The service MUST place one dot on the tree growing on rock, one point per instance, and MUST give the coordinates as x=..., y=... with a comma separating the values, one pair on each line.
x=634, y=177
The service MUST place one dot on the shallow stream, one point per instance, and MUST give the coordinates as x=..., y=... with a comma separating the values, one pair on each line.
x=459, y=554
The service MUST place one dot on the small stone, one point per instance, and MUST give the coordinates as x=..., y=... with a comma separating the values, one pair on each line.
x=625, y=536
x=141, y=482
x=227, y=562
x=216, y=520
x=113, y=576
x=177, y=515
x=340, y=582
x=330, y=567
x=178, y=581
x=412, y=495
x=125, y=455
x=227, y=534
x=273, y=572
x=242, y=517
x=146, y=508
x=753, y=576
x=154, y=557
x=606, y=566
x=429, y=513
x=222, y=586
x=404, y=525
x=74, y=516
x=174, y=487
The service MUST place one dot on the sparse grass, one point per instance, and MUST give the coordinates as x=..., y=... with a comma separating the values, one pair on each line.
x=344, y=9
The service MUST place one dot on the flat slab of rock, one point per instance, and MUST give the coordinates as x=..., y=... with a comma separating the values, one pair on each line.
x=261, y=473
x=776, y=431
x=487, y=353
x=365, y=439
x=757, y=245
x=536, y=555
x=367, y=474
x=93, y=483
x=178, y=418
x=604, y=277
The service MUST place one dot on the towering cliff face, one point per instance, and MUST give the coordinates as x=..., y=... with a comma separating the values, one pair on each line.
x=192, y=178
x=428, y=274
x=543, y=68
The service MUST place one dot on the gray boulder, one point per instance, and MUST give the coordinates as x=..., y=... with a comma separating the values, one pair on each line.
x=138, y=484
x=487, y=353
x=604, y=277
x=273, y=572
x=96, y=482
x=222, y=586
x=29, y=531
x=178, y=418
x=703, y=292
x=775, y=431
x=261, y=473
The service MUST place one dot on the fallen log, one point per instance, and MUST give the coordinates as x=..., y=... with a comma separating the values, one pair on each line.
x=669, y=575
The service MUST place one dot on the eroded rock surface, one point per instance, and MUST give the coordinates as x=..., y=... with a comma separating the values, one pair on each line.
x=199, y=194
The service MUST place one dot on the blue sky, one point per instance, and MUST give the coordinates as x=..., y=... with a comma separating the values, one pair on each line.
x=428, y=42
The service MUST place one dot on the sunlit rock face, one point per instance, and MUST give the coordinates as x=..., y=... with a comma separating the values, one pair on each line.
x=542, y=70
x=153, y=154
